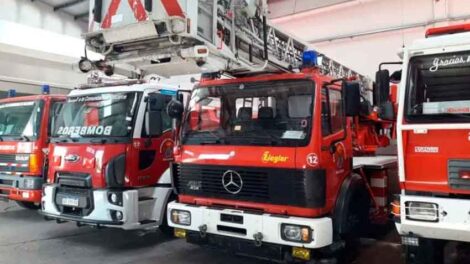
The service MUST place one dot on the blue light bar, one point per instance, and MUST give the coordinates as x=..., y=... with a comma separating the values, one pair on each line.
x=11, y=93
x=45, y=89
x=309, y=58
x=168, y=92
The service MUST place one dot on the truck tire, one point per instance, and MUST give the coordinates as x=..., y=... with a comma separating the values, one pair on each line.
x=164, y=227
x=28, y=205
x=351, y=215
x=429, y=251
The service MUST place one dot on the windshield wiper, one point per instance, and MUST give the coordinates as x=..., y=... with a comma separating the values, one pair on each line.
x=25, y=138
x=99, y=140
x=65, y=139
x=254, y=139
x=202, y=140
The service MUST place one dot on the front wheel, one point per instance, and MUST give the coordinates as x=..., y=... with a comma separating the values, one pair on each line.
x=429, y=251
x=164, y=227
x=28, y=205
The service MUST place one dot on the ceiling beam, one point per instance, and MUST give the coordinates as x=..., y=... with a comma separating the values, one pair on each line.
x=68, y=4
x=82, y=15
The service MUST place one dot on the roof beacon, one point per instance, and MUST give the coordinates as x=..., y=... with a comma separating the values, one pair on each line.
x=45, y=89
x=11, y=93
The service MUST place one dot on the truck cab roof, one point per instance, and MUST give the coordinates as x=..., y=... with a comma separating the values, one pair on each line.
x=32, y=98
x=441, y=41
x=123, y=88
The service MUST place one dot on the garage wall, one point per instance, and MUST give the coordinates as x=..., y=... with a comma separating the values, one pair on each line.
x=363, y=33
x=39, y=15
x=38, y=46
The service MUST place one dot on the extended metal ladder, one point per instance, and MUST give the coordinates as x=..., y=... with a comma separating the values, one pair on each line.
x=230, y=36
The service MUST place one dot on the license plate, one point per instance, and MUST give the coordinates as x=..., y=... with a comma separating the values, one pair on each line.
x=70, y=201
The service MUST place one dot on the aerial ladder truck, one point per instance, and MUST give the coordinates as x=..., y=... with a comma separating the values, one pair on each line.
x=277, y=150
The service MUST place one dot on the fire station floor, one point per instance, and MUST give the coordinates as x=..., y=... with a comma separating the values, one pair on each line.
x=26, y=238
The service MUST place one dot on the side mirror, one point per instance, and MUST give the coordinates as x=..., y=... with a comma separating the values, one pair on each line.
x=175, y=109
x=352, y=95
x=382, y=88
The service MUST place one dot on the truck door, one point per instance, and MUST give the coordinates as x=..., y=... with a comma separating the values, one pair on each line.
x=55, y=107
x=154, y=149
x=333, y=155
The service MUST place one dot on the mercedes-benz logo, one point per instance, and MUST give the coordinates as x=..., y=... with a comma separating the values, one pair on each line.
x=232, y=182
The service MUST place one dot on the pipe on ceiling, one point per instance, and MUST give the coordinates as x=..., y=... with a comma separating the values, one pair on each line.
x=388, y=29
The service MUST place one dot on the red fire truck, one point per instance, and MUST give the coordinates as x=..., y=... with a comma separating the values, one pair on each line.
x=275, y=177
x=109, y=156
x=433, y=141
x=264, y=155
x=24, y=138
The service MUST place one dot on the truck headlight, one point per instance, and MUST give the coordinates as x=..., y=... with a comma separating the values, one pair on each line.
x=422, y=211
x=181, y=217
x=296, y=233
x=115, y=198
x=178, y=25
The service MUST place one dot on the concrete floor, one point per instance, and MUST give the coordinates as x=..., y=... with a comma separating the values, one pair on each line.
x=25, y=237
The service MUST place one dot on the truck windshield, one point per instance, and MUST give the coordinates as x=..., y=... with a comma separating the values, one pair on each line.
x=20, y=119
x=275, y=113
x=97, y=115
x=438, y=88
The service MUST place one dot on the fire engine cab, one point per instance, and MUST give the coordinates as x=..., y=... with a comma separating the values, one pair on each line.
x=433, y=141
x=25, y=123
x=110, y=149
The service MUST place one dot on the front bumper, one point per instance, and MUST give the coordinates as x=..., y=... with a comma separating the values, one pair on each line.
x=252, y=225
x=453, y=223
x=21, y=188
x=101, y=212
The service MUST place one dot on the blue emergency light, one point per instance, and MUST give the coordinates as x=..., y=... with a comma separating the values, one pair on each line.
x=45, y=89
x=168, y=92
x=11, y=93
x=310, y=58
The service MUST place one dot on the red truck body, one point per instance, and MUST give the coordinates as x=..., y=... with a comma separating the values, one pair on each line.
x=241, y=191
x=22, y=158
x=433, y=142
x=109, y=164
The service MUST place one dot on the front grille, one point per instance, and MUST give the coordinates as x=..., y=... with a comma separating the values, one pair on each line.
x=454, y=168
x=8, y=163
x=80, y=180
x=264, y=185
x=8, y=183
x=8, y=158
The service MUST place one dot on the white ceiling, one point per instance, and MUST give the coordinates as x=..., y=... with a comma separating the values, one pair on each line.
x=278, y=8
x=281, y=8
x=77, y=8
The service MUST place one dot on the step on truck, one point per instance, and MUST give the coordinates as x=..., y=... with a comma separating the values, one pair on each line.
x=25, y=127
x=109, y=157
x=433, y=142
x=273, y=158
